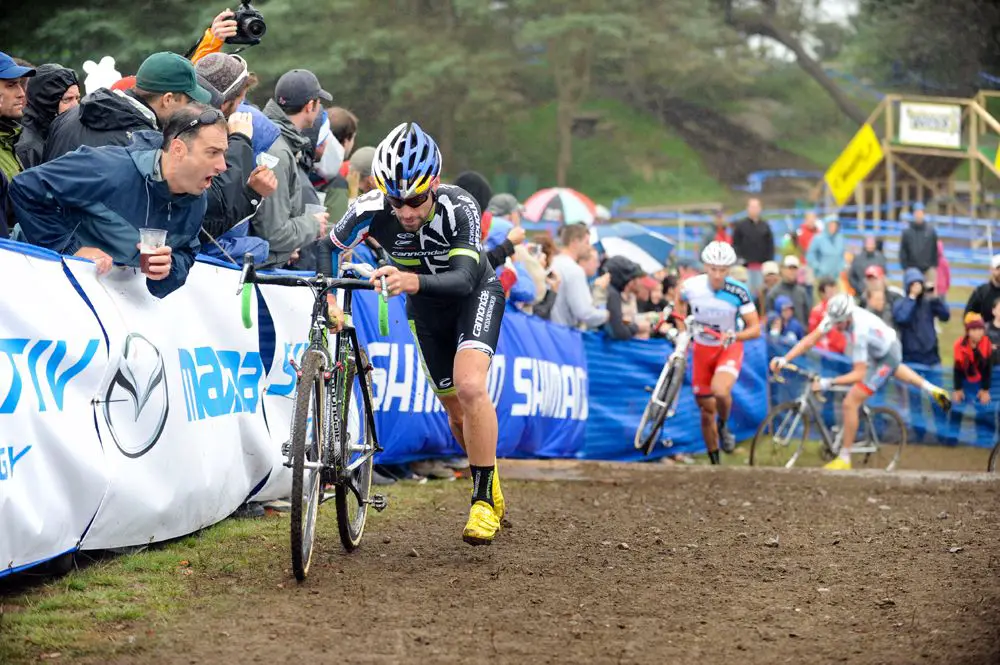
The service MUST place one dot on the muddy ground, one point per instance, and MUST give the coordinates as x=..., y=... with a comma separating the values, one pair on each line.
x=634, y=565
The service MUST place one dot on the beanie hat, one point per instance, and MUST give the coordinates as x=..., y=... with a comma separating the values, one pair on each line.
x=225, y=72
x=973, y=321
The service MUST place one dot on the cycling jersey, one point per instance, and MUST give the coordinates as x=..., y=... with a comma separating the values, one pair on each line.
x=721, y=311
x=871, y=338
x=446, y=251
x=460, y=302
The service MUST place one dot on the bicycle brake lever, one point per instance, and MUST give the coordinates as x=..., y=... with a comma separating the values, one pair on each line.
x=245, y=273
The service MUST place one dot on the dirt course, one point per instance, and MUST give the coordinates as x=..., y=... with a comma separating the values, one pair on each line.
x=634, y=565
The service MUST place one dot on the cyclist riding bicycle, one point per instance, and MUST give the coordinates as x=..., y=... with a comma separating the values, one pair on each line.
x=723, y=306
x=454, y=304
x=877, y=356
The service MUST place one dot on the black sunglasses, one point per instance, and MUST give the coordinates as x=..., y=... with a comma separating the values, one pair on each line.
x=413, y=201
x=209, y=117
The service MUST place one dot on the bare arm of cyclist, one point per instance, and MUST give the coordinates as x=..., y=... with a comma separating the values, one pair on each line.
x=803, y=345
x=752, y=327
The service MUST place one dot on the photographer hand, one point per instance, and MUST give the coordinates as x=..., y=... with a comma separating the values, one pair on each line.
x=224, y=27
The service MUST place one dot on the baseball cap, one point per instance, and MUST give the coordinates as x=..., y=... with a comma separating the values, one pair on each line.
x=168, y=72
x=503, y=204
x=791, y=261
x=995, y=263
x=11, y=70
x=782, y=302
x=769, y=268
x=361, y=160
x=299, y=87
x=874, y=271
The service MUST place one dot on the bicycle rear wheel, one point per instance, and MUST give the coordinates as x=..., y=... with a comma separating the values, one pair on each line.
x=780, y=439
x=654, y=415
x=307, y=446
x=991, y=466
x=357, y=441
x=884, y=435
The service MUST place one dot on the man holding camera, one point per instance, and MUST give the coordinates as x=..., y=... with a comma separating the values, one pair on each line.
x=281, y=218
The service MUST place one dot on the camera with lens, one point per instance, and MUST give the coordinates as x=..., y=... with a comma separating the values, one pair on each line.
x=250, y=26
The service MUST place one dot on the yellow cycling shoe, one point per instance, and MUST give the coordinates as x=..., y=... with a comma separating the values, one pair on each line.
x=499, y=507
x=838, y=464
x=482, y=526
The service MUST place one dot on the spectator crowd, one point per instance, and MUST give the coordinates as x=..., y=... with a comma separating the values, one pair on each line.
x=178, y=147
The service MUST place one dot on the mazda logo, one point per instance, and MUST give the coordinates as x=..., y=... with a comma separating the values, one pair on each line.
x=136, y=403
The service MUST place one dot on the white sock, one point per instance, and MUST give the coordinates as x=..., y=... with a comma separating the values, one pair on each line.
x=928, y=387
x=845, y=455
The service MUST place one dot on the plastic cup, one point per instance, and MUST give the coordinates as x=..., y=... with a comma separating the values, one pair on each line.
x=150, y=240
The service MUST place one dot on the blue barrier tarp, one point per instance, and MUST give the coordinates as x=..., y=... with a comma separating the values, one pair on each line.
x=619, y=374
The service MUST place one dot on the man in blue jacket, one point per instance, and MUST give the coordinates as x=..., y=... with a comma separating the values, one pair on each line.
x=914, y=316
x=92, y=202
x=826, y=251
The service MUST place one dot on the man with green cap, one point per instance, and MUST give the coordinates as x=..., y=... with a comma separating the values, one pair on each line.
x=164, y=83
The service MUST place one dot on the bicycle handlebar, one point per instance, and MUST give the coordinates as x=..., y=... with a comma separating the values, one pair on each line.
x=795, y=369
x=318, y=283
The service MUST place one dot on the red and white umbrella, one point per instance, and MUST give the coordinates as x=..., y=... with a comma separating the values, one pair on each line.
x=561, y=205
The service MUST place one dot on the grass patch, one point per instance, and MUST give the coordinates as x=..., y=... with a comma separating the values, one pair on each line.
x=93, y=611
x=630, y=154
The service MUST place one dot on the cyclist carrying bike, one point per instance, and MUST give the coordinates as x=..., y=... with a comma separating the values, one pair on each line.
x=877, y=356
x=454, y=304
x=724, y=317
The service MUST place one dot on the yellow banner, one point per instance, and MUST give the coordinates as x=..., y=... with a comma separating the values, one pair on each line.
x=861, y=155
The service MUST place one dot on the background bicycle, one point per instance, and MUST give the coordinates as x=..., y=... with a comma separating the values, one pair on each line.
x=781, y=438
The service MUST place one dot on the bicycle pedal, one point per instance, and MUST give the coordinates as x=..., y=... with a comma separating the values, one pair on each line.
x=378, y=502
x=286, y=448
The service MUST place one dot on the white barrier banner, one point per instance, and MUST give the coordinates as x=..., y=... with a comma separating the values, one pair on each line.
x=290, y=310
x=937, y=125
x=179, y=411
x=52, y=359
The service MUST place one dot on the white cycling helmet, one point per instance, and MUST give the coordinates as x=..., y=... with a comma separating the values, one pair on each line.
x=840, y=308
x=718, y=253
x=406, y=161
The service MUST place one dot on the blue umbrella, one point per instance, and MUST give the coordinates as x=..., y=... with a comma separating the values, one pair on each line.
x=649, y=249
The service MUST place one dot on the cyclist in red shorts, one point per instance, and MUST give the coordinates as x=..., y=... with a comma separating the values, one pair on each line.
x=724, y=316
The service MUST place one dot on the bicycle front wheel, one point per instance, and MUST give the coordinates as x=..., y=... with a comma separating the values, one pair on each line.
x=654, y=415
x=779, y=440
x=307, y=461
x=991, y=466
x=885, y=437
x=357, y=441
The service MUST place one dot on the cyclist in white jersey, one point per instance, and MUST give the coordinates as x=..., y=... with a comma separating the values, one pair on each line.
x=724, y=316
x=877, y=355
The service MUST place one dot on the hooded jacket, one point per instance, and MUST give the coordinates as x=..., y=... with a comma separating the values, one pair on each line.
x=622, y=272
x=914, y=319
x=826, y=254
x=101, y=198
x=918, y=247
x=45, y=91
x=280, y=219
x=862, y=261
x=104, y=117
x=798, y=294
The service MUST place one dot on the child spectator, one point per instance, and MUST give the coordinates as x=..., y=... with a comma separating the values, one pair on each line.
x=782, y=324
x=973, y=360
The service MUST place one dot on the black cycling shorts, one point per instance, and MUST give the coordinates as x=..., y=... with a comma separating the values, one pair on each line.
x=443, y=328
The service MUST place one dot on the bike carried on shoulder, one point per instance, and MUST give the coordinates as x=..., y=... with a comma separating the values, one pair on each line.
x=332, y=443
